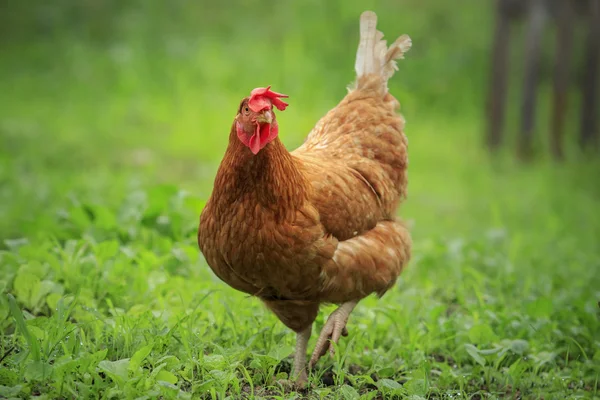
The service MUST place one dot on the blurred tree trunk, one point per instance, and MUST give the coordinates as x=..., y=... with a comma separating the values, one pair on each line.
x=563, y=52
x=498, y=84
x=589, y=83
x=535, y=28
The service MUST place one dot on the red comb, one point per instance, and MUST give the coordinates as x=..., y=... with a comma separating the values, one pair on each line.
x=262, y=98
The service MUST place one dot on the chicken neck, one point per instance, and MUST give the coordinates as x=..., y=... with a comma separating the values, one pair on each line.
x=272, y=178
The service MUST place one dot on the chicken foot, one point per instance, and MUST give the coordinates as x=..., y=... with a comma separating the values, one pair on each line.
x=299, y=367
x=331, y=332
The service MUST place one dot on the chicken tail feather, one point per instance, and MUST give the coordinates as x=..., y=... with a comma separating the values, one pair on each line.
x=373, y=57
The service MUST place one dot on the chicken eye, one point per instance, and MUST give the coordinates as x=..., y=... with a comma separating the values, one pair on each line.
x=246, y=110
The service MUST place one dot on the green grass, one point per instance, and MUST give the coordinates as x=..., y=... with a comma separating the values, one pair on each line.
x=111, y=129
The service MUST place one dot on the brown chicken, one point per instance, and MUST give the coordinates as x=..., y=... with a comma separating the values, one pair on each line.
x=315, y=225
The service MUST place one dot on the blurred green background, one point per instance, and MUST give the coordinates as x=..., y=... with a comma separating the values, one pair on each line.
x=98, y=95
x=115, y=114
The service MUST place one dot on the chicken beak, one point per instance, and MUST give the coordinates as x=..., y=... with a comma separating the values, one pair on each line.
x=265, y=118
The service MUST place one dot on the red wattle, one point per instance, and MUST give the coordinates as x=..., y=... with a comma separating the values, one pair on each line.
x=255, y=142
x=263, y=135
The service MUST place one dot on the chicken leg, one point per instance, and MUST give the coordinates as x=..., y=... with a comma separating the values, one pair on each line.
x=331, y=332
x=299, y=367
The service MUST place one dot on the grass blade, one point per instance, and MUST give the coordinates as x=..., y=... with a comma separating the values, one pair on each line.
x=34, y=346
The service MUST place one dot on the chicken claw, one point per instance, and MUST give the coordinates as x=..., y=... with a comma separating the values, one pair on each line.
x=289, y=385
x=334, y=328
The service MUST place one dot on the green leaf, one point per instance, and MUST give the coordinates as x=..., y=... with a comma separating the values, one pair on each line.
x=106, y=250
x=416, y=386
x=546, y=357
x=117, y=370
x=65, y=364
x=167, y=388
x=34, y=268
x=386, y=372
x=45, y=287
x=10, y=391
x=541, y=308
x=369, y=395
x=26, y=286
x=322, y=392
x=519, y=346
x=104, y=218
x=166, y=376
x=388, y=384
x=474, y=353
x=256, y=363
x=139, y=357
x=8, y=377
x=79, y=217
x=38, y=371
x=494, y=350
x=214, y=361
x=481, y=334
x=169, y=361
x=36, y=332
x=52, y=300
x=90, y=362
x=348, y=393
x=280, y=352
